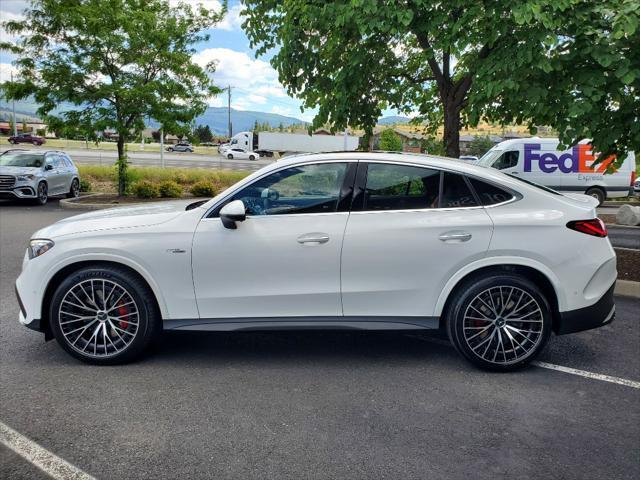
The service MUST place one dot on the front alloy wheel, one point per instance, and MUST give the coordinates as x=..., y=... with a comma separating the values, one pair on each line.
x=43, y=193
x=500, y=323
x=103, y=316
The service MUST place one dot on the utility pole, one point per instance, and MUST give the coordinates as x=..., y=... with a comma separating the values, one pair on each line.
x=15, y=125
x=162, y=147
x=229, y=110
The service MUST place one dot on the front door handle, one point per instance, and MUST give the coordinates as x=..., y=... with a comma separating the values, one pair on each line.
x=313, y=238
x=455, y=236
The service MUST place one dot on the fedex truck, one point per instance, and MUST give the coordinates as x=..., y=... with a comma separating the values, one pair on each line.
x=538, y=160
x=266, y=143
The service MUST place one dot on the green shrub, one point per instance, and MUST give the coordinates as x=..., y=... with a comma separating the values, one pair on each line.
x=146, y=189
x=85, y=185
x=203, y=188
x=170, y=189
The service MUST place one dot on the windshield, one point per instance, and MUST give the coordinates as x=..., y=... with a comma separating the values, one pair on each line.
x=488, y=158
x=21, y=159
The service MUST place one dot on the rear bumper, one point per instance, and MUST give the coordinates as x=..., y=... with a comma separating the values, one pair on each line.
x=600, y=313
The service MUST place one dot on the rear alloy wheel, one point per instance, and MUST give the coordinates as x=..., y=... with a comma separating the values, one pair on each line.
x=74, y=191
x=596, y=193
x=43, y=193
x=500, y=323
x=252, y=157
x=103, y=315
x=230, y=157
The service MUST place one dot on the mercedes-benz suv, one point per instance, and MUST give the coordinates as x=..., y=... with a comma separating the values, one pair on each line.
x=338, y=240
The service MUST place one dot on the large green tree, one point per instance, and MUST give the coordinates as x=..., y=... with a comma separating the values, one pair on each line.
x=117, y=62
x=458, y=61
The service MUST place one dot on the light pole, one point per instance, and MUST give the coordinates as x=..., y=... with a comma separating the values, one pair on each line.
x=15, y=125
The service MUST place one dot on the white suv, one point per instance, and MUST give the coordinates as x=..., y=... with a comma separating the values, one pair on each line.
x=340, y=240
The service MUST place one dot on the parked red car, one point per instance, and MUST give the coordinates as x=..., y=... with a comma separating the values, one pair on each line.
x=26, y=138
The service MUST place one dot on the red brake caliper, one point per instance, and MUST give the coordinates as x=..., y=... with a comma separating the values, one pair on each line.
x=122, y=311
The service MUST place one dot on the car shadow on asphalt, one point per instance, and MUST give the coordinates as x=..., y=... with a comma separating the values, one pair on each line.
x=330, y=347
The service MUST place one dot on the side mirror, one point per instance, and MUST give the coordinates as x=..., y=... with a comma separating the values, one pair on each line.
x=231, y=213
x=48, y=166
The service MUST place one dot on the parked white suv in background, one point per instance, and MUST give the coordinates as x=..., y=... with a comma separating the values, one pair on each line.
x=36, y=175
x=339, y=240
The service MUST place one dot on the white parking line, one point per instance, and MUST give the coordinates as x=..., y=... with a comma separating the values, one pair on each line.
x=584, y=373
x=551, y=366
x=42, y=458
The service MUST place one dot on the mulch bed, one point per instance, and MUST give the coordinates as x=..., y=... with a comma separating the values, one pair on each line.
x=628, y=264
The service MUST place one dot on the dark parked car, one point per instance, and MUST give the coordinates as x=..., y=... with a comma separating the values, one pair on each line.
x=26, y=138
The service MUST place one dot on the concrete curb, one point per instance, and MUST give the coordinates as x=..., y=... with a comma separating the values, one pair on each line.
x=73, y=203
x=627, y=288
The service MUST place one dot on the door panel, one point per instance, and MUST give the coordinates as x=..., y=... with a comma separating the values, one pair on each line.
x=55, y=176
x=412, y=228
x=274, y=266
x=284, y=259
x=396, y=263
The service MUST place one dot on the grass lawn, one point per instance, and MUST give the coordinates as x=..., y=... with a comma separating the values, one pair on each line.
x=103, y=178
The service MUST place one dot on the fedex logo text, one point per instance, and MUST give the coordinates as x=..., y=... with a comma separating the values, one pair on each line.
x=579, y=159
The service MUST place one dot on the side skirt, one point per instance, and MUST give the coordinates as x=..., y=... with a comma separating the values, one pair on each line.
x=303, y=323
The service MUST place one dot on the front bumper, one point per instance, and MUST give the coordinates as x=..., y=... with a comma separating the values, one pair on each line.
x=600, y=313
x=24, y=191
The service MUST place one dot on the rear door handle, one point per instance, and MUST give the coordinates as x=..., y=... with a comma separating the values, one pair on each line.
x=313, y=238
x=455, y=236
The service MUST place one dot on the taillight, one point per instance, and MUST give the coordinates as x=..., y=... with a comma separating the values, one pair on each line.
x=595, y=227
x=634, y=176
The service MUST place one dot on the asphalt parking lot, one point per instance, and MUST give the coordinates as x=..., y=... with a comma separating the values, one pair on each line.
x=315, y=404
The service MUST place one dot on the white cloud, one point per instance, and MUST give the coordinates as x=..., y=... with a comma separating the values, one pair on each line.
x=10, y=11
x=253, y=82
x=232, y=20
x=5, y=71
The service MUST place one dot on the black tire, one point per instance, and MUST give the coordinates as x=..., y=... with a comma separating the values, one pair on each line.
x=252, y=157
x=597, y=193
x=230, y=157
x=74, y=191
x=42, y=194
x=464, y=321
x=141, y=334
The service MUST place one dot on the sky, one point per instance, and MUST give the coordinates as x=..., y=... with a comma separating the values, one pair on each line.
x=254, y=82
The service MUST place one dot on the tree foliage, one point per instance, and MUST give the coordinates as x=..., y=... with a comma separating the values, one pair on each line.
x=570, y=64
x=203, y=133
x=117, y=61
x=480, y=145
x=390, y=141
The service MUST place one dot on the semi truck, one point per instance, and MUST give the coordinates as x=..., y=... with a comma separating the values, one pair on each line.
x=267, y=143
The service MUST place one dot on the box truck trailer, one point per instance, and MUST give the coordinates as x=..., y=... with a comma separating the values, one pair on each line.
x=267, y=143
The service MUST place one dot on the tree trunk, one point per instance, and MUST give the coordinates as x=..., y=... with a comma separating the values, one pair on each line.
x=451, y=128
x=122, y=166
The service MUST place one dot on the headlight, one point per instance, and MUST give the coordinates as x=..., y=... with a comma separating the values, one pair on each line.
x=24, y=178
x=38, y=246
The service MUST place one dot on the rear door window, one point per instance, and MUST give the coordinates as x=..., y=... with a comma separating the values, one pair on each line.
x=400, y=187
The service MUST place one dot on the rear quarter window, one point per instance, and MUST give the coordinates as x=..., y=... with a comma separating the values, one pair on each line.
x=490, y=194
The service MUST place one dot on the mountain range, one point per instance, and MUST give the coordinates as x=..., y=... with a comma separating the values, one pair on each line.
x=215, y=117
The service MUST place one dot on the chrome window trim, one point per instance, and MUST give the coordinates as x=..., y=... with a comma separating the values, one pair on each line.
x=516, y=195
